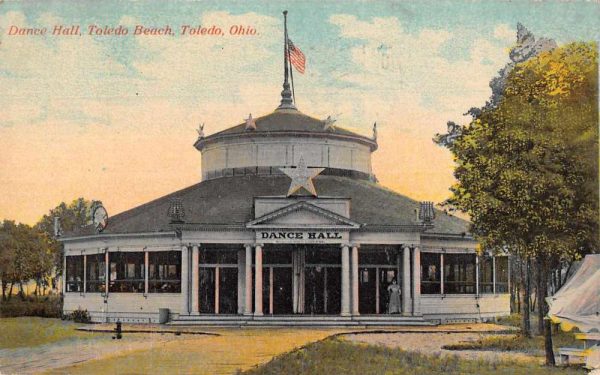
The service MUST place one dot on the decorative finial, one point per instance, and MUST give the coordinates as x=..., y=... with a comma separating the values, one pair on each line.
x=426, y=212
x=200, y=131
x=328, y=123
x=250, y=123
x=176, y=211
x=375, y=131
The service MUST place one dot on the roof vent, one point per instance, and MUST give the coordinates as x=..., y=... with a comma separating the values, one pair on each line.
x=176, y=211
x=426, y=212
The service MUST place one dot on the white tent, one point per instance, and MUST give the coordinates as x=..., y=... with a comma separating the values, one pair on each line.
x=577, y=303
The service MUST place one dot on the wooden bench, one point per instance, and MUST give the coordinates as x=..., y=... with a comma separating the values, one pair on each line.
x=572, y=356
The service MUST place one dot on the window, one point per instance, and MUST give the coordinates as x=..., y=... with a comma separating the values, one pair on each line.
x=459, y=273
x=430, y=273
x=164, y=272
x=74, y=274
x=383, y=256
x=96, y=274
x=277, y=257
x=331, y=255
x=502, y=274
x=127, y=272
x=486, y=274
x=213, y=256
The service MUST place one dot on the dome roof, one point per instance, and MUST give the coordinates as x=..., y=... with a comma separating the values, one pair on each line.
x=286, y=122
x=229, y=203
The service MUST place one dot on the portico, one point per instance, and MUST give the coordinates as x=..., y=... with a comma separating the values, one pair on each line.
x=316, y=279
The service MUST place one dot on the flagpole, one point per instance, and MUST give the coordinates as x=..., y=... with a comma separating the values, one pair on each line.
x=287, y=102
x=285, y=47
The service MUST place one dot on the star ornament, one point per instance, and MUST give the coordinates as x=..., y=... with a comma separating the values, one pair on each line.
x=302, y=177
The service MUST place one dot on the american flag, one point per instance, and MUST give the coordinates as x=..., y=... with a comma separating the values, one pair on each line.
x=296, y=57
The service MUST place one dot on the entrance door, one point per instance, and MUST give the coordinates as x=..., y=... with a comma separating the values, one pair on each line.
x=367, y=290
x=322, y=290
x=277, y=290
x=218, y=290
x=207, y=290
x=373, y=289
x=282, y=290
x=314, y=297
x=228, y=278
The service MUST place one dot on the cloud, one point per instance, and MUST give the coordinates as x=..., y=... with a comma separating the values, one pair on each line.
x=406, y=82
x=114, y=119
x=505, y=33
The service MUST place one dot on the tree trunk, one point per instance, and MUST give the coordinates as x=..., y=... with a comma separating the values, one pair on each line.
x=21, y=291
x=526, y=326
x=4, y=286
x=546, y=324
x=10, y=291
x=542, y=288
x=518, y=299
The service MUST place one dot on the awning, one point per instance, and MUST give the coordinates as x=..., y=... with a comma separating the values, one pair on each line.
x=577, y=303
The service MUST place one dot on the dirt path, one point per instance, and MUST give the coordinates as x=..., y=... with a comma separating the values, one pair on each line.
x=192, y=354
x=65, y=353
x=230, y=350
x=430, y=343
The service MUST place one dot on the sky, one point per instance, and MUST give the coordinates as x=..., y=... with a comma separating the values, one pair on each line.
x=113, y=117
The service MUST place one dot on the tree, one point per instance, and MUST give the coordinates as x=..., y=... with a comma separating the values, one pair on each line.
x=8, y=247
x=24, y=255
x=527, y=168
x=71, y=216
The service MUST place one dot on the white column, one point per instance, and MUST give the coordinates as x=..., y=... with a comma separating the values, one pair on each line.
x=355, y=280
x=106, y=284
x=107, y=274
x=185, y=293
x=406, y=308
x=417, y=282
x=217, y=287
x=476, y=274
x=442, y=273
x=258, y=287
x=248, y=284
x=84, y=273
x=271, y=290
x=64, y=275
x=494, y=274
x=146, y=264
x=195, y=279
x=377, y=290
x=345, y=281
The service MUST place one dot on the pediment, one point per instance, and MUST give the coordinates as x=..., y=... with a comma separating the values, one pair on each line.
x=302, y=215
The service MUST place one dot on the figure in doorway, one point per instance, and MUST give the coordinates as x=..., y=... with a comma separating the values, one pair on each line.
x=394, y=292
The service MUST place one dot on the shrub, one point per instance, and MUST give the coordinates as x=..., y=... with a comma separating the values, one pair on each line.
x=79, y=316
x=45, y=307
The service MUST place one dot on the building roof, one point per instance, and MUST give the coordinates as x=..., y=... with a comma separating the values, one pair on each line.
x=229, y=201
x=285, y=122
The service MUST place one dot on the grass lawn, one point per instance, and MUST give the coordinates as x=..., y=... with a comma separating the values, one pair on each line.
x=33, y=331
x=333, y=356
x=518, y=343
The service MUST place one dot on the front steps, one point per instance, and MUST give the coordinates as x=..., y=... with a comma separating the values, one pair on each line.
x=299, y=321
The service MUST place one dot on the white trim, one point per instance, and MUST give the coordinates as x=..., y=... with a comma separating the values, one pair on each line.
x=118, y=235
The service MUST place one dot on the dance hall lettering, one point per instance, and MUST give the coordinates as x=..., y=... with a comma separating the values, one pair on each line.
x=301, y=235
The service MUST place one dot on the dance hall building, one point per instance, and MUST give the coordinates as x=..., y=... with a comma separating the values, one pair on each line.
x=288, y=226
